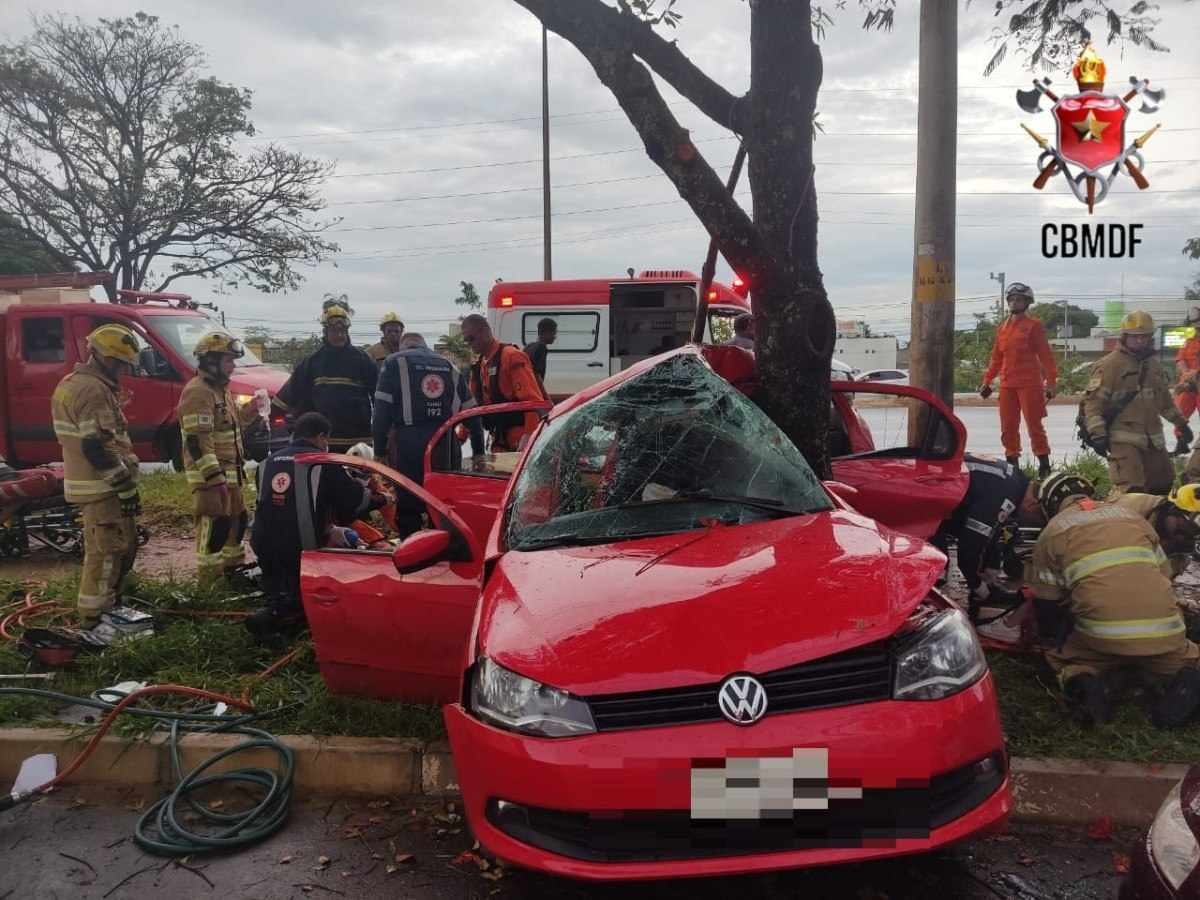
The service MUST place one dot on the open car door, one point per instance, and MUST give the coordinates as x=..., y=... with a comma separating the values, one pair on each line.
x=473, y=487
x=391, y=620
x=909, y=483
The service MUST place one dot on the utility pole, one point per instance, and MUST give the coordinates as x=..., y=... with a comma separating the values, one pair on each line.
x=546, y=267
x=999, y=303
x=932, y=357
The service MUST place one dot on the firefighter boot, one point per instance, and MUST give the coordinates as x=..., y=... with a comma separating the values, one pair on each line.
x=275, y=622
x=1014, y=461
x=1043, y=465
x=1088, y=700
x=1179, y=704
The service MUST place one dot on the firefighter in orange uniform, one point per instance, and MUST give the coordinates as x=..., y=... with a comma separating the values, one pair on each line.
x=1187, y=364
x=1022, y=359
x=501, y=374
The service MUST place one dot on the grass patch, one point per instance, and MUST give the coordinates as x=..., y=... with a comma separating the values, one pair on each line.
x=218, y=655
x=167, y=501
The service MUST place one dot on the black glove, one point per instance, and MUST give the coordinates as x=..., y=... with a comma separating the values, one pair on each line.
x=1100, y=444
x=1185, y=433
x=985, y=391
x=131, y=502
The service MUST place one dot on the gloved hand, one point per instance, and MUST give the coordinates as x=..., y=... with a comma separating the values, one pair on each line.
x=1186, y=435
x=985, y=391
x=378, y=501
x=1100, y=444
x=131, y=502
x=1049, y=392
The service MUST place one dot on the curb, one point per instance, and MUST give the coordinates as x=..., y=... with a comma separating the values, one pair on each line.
x=1046, y=791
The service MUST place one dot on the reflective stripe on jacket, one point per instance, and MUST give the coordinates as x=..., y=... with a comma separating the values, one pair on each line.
x=85, y=407
x=209, y=422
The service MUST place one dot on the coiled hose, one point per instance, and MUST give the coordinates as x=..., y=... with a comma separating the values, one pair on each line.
x=160, y=829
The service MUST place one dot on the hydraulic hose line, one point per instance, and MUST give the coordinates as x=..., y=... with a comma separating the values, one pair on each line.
x=160, y=830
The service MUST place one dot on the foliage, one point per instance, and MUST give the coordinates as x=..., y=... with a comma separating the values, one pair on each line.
x=19, y=255
x=117, y=153
x=167, y=501
x=1192, y=250
x=455, y=347
x=1050, y=33
x=469, y=297
x=1051, y=315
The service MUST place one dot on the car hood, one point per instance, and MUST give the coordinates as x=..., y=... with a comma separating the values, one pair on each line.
x=694, y=607
x=250, y=378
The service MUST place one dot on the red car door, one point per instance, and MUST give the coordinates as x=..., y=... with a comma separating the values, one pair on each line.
x=476, y=488
x=908, y=479
x=377, y=632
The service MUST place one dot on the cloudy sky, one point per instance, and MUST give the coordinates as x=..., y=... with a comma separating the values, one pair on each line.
x=431, y=112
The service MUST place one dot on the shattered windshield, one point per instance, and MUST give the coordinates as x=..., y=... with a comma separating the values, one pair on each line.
x=674, y=449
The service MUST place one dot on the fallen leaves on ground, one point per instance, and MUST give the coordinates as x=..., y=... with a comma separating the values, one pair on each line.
x=469, y=856
x=285, y=859
x=1121, y=863
x=1101, y=829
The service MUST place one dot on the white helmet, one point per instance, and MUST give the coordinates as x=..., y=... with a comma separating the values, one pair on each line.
x=362, y=450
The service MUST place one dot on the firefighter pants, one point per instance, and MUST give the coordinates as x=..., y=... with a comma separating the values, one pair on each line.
x=1030, y=401
x=1185, y=402
x=109, y=548
x=1080, y=656
x=220, y=529
x=1140, y=470
x=1191, y=472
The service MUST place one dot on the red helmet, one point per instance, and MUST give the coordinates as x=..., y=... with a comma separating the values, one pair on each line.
x=734, y=364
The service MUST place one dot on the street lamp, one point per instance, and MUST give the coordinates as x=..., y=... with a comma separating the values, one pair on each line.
x=999, y=276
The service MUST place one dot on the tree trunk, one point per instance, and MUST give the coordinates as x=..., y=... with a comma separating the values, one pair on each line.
x=793, y=319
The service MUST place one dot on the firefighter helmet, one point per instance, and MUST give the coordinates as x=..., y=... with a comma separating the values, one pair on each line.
x=1019, y=290
x=219, y=342
x=1137, y=322
x=1186, y=499
x=1055, y=490
x=114, y=341
x=390, y=319
x=334, y=312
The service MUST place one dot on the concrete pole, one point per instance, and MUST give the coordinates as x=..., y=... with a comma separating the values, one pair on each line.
x=931, y=360
x=546, y=267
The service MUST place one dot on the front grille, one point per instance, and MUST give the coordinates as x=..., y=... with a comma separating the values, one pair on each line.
x=863, y=675
x=882, y=815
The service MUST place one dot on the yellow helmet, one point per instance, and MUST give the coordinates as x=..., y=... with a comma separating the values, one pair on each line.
x=334, y=312
x=114, y=342
x=390, y=319
x=1187, y=498
x=1137, y=322
x=219, y=342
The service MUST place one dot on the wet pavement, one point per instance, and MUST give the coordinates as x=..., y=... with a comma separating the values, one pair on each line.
x=78, y=844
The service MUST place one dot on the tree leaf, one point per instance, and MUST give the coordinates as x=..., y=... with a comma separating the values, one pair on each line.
x=997, y=58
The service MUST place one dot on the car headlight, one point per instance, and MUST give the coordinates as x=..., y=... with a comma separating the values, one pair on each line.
x=242, y=399
x=1172, y=844
x=517, y=703
x=939, y=657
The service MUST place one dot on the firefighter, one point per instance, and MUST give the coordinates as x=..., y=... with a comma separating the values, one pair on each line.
x=389, y=342
x=100, y=466
x=338, y=381
x=1175, y=518
x=211, y=426
x=984, y=524
x=275, y=535
x=1104, y=562
x=418, y=391
x=1187, y=365
x=1021, y=357
x=1124, y=399
x=502, y=373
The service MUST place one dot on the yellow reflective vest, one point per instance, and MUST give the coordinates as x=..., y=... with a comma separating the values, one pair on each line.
x=84, y=407
x=211, y=426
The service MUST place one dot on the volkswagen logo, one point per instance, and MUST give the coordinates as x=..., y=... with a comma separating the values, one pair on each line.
x=743, y=699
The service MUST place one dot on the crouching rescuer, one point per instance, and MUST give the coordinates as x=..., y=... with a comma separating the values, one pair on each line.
x=1104, y=562
x=211, y=425
x=100, y=466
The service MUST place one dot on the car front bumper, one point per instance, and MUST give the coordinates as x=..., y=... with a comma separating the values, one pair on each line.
x=617, y=805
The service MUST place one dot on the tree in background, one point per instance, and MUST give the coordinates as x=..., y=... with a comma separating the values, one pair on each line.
x=21, y=256
x=1192, y=250
x=453, y=345
x=117, y=154
x=774, y=249
x=469, y=297
x=1051, y=315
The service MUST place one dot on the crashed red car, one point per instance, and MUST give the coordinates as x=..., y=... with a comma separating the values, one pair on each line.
x=679, y=654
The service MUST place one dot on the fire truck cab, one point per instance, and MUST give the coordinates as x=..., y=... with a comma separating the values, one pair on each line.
x=606, y=325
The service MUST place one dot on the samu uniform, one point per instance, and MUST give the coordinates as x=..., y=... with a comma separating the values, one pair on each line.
x=1104, y=562
x=418, y=391
x=99, y=464
x=1133, y=392
x=211, y=426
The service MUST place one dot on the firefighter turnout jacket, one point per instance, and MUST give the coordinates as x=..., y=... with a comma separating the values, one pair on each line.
x=1021, y=355
x=211, y=426
x=993, y=497
x=1104, y=561
x=98, y=456
x=339, y=383
x=1124, y=400
x=418, y=391
x=379, y=352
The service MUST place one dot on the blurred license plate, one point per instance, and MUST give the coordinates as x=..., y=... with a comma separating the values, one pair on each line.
x=769, y=787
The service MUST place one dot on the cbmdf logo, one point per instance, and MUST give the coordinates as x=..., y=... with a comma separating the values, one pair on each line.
x=1089, y=150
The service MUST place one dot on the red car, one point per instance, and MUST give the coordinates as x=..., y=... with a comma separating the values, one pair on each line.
x=678, y=653
x=1166, y=864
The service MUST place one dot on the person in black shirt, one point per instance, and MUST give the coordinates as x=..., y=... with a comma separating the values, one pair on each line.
x=275, y=535
x=536, y=351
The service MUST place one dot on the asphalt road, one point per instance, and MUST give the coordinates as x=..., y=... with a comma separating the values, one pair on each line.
x=77, y=844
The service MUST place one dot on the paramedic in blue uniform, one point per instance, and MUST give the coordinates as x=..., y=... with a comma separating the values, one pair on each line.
x=418, y=391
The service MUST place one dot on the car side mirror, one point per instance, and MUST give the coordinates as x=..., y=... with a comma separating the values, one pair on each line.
x=420, y=549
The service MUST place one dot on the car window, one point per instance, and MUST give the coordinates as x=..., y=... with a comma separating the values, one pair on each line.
x=42, y=340
x=578, y=332
x=184, y=332
x=671, y=450
x=888, y=417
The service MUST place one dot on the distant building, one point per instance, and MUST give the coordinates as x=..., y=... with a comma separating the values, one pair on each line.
x=865, y=353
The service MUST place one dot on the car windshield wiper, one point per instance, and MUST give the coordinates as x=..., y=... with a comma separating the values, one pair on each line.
x=707, y=496
x=583, y=540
